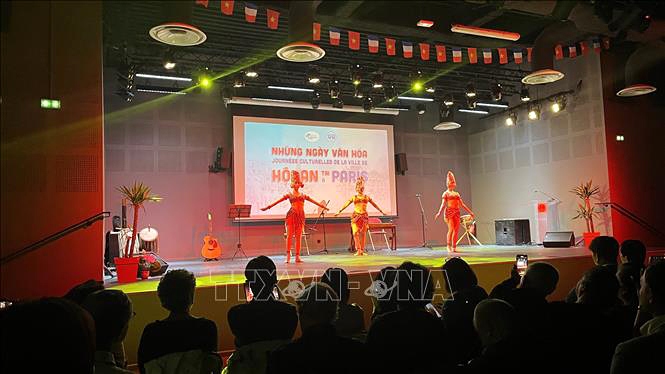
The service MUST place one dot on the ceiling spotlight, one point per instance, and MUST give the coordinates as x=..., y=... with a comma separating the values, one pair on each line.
x=377, y=81
x=470, y=90
x=168, y=61
x=511, y=120
x=445, y=110
x=239, y=82
x=446, y=118
x=425, y=23
x=559, y=104
x=338, y=103
x=204, y=78
x=390, y=93
x=313, y=76
x=251, y=73
x=421, y=109
x=524, y=94
x=417, y=84
x=430, y=89
x=333, y=89
x=534, y=111
x=316, y=100
x=448, y=100
x=356, y=74
x=367, y=104
x=358, y=92
x=471, y=102
x=497, y=91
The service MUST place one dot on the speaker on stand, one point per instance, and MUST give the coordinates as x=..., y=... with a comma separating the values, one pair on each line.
x=559, y=239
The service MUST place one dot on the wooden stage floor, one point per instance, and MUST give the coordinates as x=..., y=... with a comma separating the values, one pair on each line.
x=227, y=271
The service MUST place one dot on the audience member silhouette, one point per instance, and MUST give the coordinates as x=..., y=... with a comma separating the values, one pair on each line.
x=47, y=335
x=111, y=310
x=350, y=320
x=80, y=292
x=320, y=349
x=385, y=300
x=644, y=353
x=457, y=316
x=633, y=254
x=180, y=332
x=604, y=252
x=411, y=332
x=265, y=317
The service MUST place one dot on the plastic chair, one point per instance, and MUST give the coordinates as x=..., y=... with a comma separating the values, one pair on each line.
x=376, y=231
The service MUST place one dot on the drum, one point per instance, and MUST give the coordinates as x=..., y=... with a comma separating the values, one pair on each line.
x=468, y=223
x=148, y=237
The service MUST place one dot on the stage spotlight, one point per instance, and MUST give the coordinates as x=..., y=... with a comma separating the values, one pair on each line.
x=511, y=120
x=316, y=100
x=446, y=118
x=377, y=81
x=471, y=102
x=390, y=93
x=421, y=109
x=367, y=104
x=338, y=103
x=333, y=88
x=313, y=76
x=534, y=111
x=168, y=61
x=251, y=73
x=524, y=94
x=445, y=110
x=239, y=81
x=417, y=83
x=356, y=74
x=559, y=104
x=470, y=90
x=204, y=78
x=358, y=92
x=448, y=100
x=497, y=91
x=430, y=89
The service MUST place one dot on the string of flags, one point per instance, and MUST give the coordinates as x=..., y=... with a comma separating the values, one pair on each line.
x=489, y=56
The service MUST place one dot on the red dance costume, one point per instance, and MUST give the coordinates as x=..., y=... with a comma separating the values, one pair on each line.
x=451, y=212
x=295, y=217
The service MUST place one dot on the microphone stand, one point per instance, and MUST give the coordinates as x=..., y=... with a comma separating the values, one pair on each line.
x=423, y=221
x=322, y=216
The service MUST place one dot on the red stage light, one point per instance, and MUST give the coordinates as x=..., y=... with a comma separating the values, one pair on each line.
x=542, y=207
x=425, y=23
x=488, y=33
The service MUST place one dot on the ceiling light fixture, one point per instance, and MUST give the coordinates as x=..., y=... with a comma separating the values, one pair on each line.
x=474, y=111
x=333, y=88
x=377, y=81
x=497, y=91
x=421, y=109
x=390, y=93
x=251, y=73
x=163, y=77
x=316, y=100
x=511, y=120
x=367, y=104
x=313, y=76
x=239, y=81
x=559, y=104
x=524, y=94
x=448, y=100
x=425, y=23
x=470, y=90
x=446, y=119
x=297, y=89
x=428, y=99
x=356, y=74
x=488, y=33
x=534, y=111
x=493, y=105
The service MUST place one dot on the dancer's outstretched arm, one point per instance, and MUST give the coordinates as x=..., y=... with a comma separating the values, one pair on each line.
x=466, y=207
x=275, y=203
x=344, y=207
x=376, y=206
x=316, y=203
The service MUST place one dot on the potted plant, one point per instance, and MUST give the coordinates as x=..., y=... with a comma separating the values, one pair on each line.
x=585, y=210
x=127, y=266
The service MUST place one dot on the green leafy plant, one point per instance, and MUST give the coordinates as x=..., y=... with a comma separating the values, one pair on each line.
x=585, y=191
x=137, y=195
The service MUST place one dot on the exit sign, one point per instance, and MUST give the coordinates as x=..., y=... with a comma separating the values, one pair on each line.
x=50, y=103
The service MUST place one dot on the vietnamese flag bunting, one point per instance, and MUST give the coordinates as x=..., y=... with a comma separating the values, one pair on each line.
x=424, y=51
x=354, y=40
x=528, y=54
x=457, y=54
x=596, y=45
x=407, y=49
x=473, y=55
x=503, y=55
x=517, y=56
x=227, y=7
x=440, y=53
x=273, y=19
x=390, y=46
x=316, y=31
x=487, y=56
x=202, y=2
x=373, y=43
x=584, y=48
x=334, y=34
x=250, y=12
x=572, y=51
x=558, y=52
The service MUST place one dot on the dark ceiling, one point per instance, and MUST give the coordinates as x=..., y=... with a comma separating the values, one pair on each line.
x=234, y=44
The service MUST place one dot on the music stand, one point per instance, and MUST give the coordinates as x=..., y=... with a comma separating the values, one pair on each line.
x=237, y=211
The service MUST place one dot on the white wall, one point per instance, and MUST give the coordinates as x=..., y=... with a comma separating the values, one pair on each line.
x=553, y=155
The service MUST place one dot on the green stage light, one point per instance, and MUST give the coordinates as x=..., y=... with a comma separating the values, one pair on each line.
x=46, y=103
x=205, y=82
x=49, y=103
x=417, y=86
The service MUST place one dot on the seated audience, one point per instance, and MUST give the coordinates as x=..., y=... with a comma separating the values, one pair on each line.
x=501, y=290
x=45, y=336
x=111, y=310
x=411, y=332
x=320, y=349
x=633, y=254
x=385, y=300
x=180, y=333
x=644, y=353
x=604, y=252
x=457, y=316
x=350, y=320
x=80, y=292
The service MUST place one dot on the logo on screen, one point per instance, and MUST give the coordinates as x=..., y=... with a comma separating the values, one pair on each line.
x=331, y=136
x=312, y=136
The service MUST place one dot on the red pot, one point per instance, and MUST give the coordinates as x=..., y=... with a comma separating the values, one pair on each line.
x=588, y=238
x=126, y=269
x=145, y=274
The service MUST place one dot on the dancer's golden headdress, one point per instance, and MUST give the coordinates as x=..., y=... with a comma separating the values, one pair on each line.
x=295, y=180
x=450, y=179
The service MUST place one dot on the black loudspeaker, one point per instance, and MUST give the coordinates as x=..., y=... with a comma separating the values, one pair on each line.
x=400, y=163
x=112, y=247
x=561, y=239
x=512, y=231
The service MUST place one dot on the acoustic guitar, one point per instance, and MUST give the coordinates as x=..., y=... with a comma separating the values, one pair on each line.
x=211, y=249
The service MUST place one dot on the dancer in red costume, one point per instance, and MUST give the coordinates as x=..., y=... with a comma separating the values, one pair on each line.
x=359, y=219
x=295, y=218
x=450, y=206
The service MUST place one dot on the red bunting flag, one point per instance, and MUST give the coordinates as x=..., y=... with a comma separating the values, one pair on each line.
x=334, y=35
x=424, y=51
x=558, y=52
x=373, y=43
x=407, y=49
x=440, y=53
x=202, y=2
x=316, y=31
x=473, y=55
x=572, y=51
x=354, y=40
x=528, y=54
x=390, y=46
x=273, y=19
x=606, y=43
x=457, y=55
x=227, y=7
x=584, y=48
x=596, y=45
x=503, y=55
x=250, y=12
x=487, y=56
x=517, y=56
